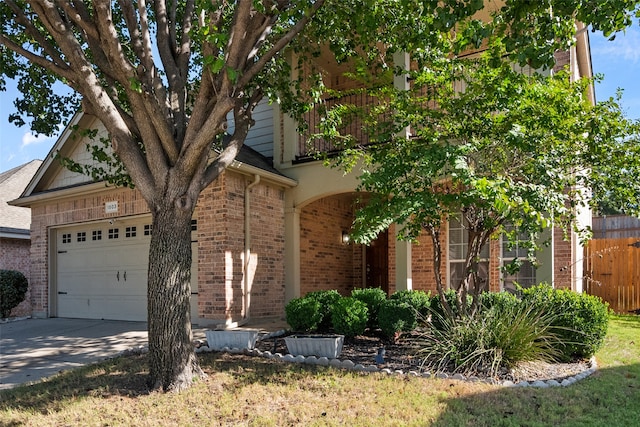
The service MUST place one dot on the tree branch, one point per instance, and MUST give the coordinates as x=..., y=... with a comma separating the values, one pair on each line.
x=257, y=66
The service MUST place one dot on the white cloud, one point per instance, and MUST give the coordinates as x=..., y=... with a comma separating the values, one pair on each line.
x=624, y=47
x=29, y=138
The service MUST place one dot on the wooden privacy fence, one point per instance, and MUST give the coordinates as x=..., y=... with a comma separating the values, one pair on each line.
x=612, y=272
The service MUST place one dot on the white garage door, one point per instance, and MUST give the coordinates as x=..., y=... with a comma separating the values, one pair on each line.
x=102, y=270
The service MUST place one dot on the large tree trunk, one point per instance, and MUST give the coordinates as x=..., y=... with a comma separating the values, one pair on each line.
x=172, y=360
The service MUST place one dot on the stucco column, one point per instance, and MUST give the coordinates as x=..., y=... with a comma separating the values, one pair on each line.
x=403, y=265
x=403, y=248
x=291, y=253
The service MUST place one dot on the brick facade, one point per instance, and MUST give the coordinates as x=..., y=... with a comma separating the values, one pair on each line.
x=220, y=217
x=221, y=250
x=14, y=255
x=326, y=262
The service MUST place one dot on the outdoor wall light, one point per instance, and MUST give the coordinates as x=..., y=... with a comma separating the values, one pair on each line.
x=345, y=237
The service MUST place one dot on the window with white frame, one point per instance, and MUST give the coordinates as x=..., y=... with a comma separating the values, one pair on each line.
x=458, y=250
x=516, y=251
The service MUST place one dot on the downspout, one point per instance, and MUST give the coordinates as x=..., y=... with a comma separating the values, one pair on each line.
x=247, y=246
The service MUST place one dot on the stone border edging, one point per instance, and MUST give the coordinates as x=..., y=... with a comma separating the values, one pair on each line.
x=350, y=365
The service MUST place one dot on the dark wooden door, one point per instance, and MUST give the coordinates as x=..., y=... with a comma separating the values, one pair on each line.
x=377, y=263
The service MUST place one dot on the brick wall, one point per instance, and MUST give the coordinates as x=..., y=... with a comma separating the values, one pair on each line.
x=325, y=262
x=563, y=268
x=220, y=215
x=221, y=250
x=14, y=255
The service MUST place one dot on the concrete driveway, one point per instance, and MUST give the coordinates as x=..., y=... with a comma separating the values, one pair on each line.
x=32, y=349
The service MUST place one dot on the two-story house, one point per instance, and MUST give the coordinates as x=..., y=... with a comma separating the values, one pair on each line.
x=273, y=227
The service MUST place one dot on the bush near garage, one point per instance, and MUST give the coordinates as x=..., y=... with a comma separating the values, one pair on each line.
x=13, y=288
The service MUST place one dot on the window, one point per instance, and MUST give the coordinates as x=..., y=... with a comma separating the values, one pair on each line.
x=96, y=235
x=130, y=232
x=194, y=225
x=66, y=238
x=81, y=236
x=147, y=229
x=526, y=276
x=113, y=233
x=458, y=247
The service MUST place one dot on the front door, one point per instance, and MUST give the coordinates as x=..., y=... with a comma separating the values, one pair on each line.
x=377, y=263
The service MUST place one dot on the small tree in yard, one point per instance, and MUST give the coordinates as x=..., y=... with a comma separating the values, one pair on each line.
x=472, y=136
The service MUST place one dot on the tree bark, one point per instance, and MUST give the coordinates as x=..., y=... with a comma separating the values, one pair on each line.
x=172, y=362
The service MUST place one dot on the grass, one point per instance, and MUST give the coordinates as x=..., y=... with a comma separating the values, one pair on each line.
x=259, y=392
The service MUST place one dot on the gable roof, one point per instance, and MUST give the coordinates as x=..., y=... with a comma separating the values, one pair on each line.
x=47, y=185
x=15, y=222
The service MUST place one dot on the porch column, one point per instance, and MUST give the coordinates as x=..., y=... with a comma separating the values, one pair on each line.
x=403, y=265
x=291, y=253
x=403, y=248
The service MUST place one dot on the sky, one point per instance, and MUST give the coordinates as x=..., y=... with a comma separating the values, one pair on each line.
x=618, y=61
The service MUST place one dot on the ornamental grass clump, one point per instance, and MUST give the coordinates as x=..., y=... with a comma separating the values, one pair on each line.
x=489, y=342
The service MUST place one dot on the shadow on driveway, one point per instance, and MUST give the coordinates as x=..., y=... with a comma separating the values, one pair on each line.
x=33, y=349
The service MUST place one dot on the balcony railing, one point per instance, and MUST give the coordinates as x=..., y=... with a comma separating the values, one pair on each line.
x=310, y=143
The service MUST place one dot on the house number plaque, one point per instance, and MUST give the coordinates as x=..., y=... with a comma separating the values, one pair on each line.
x=111, y=207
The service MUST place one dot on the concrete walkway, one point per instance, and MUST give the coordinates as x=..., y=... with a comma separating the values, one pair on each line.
x=32, y=349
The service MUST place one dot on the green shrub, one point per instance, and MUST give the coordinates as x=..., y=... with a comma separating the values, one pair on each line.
x=326, y=300
x=419, y=300
x=582, y=320
x=396, y=316
x=373, y=298
x=349, y=316
x=493, y=339
x=13, y=288
x=501, y=300
x=303, y=314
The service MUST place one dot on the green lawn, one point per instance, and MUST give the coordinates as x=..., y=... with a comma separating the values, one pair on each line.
x=260, y=392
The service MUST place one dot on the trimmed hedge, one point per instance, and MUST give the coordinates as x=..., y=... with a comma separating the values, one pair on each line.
x=13, y=288
x=419, y=300
x=349, y=317
x=326, y=300
x=373, y=298
x=502, y=301
x=303, y=314
x=396, y=316
x=581, y=319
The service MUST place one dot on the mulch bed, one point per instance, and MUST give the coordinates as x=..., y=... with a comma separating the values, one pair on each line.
x=401, y=356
